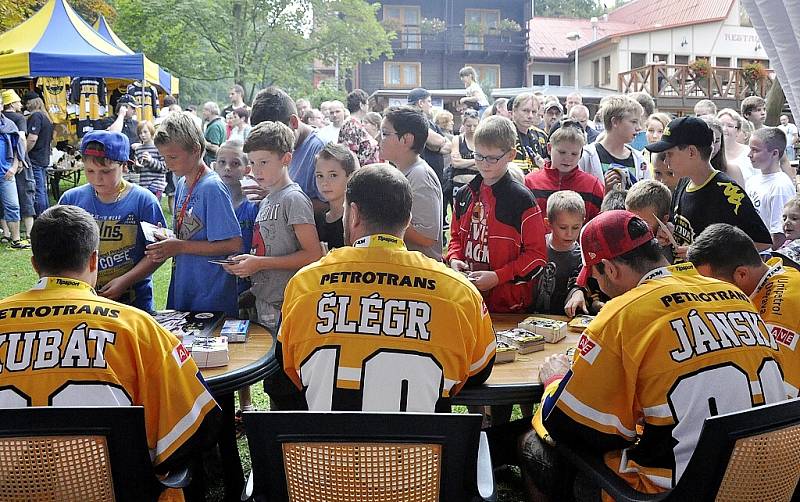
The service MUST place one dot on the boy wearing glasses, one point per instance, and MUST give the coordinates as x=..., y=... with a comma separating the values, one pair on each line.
x=561, y=171
x=497, y=234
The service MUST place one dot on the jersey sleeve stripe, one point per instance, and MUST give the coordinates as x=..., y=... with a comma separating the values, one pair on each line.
x=659, y=410
x=625, y=468
x=480, y=363
x=596, y=416
x=184, y=424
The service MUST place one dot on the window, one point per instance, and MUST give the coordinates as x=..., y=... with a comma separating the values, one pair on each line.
x=681, y=59
x=404, y=75
x=743, y=61
x=607, y=70
x=664, y=58
x=477, y=23
x=488, y=74
x=542, y=79
x=409, y=17
x=638, y=60
x=596, y=73
x=722, y=62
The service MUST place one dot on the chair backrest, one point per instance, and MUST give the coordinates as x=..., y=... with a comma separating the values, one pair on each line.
x=751, y=455
x=322, y=456
x=81, y=454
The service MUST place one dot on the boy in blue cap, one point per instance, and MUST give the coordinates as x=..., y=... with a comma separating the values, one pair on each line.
x=118, y=207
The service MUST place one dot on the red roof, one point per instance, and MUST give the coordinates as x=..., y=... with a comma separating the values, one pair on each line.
x=548, y=38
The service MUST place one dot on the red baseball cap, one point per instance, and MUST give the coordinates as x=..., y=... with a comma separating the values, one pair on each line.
x=606, y=237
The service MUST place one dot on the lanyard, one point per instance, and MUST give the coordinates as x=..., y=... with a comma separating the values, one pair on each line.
x=182, y=215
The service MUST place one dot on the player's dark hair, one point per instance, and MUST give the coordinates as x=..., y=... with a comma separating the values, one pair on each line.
x=355, y=99
x=408, y=120
x=724, y=248
x=169, y=100
x=63, y=239
x=383, y=197
x=642, y=259
x=272, y=104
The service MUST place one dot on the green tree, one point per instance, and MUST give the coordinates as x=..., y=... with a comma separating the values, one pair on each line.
x=14, y=12
x=568, y=8
x=252, y=42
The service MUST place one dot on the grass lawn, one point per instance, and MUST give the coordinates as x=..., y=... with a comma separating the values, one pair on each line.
x=17, y=275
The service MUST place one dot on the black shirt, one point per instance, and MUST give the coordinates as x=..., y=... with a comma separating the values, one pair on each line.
x=434, y=159
x=332, y=233
x=19, y=120
x=40, y=125
x=718, y=200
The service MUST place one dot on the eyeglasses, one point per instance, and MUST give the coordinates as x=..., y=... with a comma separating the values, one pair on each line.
x=470, y=113
x=488, y=159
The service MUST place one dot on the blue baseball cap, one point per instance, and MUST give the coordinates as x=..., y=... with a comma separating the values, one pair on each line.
x=115, y=145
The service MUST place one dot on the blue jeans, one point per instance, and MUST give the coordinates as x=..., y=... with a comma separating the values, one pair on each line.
x=9, y=199
x=42, y=201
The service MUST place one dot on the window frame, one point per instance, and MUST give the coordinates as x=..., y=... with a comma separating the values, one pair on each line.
x=409, y=38
x=402, y=84
x=476, y=42
x=481, y=66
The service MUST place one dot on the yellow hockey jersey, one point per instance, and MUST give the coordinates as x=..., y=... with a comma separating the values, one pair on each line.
x=378, y=328
x=55, y=91
x=777, y=298
x=654, y=364
x=62, y=345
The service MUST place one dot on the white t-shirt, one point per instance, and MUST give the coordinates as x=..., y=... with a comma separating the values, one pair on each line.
x=769, y=193
x=474, y=89
x=328, y=134
x=790, y=130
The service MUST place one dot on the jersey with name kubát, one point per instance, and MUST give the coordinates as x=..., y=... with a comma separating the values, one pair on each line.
x=718, y=200
x=654, y=364
x=777, y=298
x=378, y=328
x=62, y=345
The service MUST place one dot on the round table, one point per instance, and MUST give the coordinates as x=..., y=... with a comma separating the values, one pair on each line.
x=516, y=382
x=248, y=363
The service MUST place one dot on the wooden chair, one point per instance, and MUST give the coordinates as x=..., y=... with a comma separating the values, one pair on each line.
x=364, y=457
x=78, y=454
x=747, y=456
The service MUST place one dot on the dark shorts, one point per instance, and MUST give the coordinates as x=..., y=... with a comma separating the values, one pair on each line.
x=26, y=192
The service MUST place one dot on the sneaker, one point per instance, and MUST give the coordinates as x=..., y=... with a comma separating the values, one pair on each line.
x=20, y=244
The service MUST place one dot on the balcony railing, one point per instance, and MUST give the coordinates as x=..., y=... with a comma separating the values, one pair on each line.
x=679, y=81
x=455, y=39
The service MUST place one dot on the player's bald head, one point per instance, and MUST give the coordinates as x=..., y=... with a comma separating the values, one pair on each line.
x=383, y=197
x=63, y=239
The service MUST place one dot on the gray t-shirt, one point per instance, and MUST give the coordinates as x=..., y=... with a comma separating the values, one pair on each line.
x=426, y=207
x=274, y=235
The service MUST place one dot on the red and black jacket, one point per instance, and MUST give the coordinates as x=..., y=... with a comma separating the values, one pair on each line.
x=504, y=221
x=547, y=181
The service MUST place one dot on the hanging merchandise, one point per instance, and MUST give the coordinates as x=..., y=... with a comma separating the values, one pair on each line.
x=88, y=95
x=55, y=91
x=147, y=97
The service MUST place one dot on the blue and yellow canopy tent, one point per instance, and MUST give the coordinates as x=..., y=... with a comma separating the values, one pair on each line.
x=57, y=42
x=166, y=81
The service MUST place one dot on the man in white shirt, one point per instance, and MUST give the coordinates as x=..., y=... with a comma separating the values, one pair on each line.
x=330, y=133
x=770, y=188
x=790, y=130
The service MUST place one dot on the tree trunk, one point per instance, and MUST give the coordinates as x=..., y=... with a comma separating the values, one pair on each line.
x=775, y=100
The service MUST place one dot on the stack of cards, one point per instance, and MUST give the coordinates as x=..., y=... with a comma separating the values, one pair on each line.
x=506, y=353
x=580, y=322
x=551, y=329
x=210, y=352
x=524, y=340
x=235, y=330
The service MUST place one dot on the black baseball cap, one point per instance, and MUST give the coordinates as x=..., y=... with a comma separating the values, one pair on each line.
x=683, y=131
x=416, y=94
